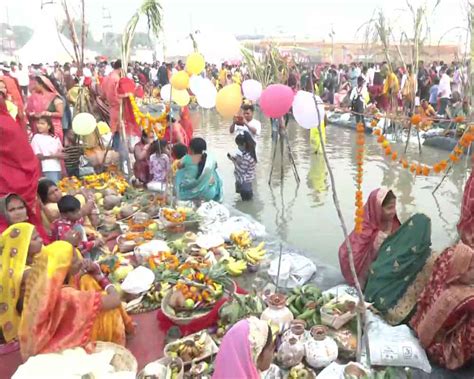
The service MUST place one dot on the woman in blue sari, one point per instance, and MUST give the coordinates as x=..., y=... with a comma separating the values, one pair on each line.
x=197, y=177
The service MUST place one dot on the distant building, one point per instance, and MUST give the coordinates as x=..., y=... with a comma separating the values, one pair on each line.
x=322, y=51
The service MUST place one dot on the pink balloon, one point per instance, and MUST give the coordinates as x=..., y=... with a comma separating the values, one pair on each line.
x=276, y=100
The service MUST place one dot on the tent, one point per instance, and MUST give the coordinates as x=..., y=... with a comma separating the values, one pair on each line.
x=47, y=45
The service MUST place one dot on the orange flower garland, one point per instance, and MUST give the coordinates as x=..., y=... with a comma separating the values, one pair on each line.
x=419, y=169
x=151, y=125
x=359, y=203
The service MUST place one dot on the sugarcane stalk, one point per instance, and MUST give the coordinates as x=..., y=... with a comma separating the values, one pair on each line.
x=361, y=309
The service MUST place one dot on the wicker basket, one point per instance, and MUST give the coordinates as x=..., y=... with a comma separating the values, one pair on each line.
x=123, y=359
x=165, y=308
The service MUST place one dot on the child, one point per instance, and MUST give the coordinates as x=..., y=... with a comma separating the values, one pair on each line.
x=71, y=219
x=72, y=153
x=245, y=162
x=159, y=165
x=48, y=148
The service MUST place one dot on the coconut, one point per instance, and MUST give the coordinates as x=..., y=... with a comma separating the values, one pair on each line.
x=126, y=211
x=110, y=191
x=111, y=201
x=177, y=300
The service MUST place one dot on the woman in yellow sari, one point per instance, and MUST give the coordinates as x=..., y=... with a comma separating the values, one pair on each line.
x=19, y=244
x=58, y=316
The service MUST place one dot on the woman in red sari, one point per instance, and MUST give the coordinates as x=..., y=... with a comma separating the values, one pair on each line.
x=466, y=223
x=45, y=101
x=187, y=123
x=19, y=169
x=380, y=221
x=444, y=319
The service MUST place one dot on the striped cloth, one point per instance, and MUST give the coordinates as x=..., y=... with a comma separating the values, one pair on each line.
x=71, y=155
x=244, y=168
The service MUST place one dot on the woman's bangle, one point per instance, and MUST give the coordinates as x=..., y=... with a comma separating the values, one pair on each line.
x=108, y=286
x=103, y=282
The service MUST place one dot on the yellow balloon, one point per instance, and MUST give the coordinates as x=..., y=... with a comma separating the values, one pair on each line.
x=180, y=80
x=180, y=97
x=195, y=63
x=229, y=100
x=103, y=128
x=83, y=124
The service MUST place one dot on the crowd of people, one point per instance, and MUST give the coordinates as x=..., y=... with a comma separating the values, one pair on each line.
x=400, y=274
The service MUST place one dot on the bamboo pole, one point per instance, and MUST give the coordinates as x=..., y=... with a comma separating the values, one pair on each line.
x=361, y=309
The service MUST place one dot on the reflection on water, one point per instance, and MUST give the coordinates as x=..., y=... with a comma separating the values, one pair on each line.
x=304, y=215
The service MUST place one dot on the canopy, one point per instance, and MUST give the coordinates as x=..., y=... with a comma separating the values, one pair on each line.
x=47, y=45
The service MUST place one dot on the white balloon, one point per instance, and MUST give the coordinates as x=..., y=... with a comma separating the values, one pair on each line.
x=83, y=124
x=304, y=110
x=195, y=83
x=252, y=89
x=165, y=92
x=206, y=96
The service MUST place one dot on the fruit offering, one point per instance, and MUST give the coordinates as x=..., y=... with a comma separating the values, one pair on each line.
x=305, y=303
x=176, y=216
x=105, y=180
x=69, y=184
x=239, y=307
x=241, y=239
x=301, y=372
x=235, y=267
x=255, y=254
x=190, y=348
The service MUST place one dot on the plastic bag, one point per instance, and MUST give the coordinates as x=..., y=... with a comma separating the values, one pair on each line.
x=395, y=345
x=295, y=270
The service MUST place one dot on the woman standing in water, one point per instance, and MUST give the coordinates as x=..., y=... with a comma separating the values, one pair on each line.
x=466, y=223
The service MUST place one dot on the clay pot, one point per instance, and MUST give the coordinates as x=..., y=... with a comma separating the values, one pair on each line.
x=320, y=350
x=290, y=353
x=277, y=312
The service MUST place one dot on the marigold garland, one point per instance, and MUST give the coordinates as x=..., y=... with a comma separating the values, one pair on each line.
x=424, y=170
x=151, y=125
x=359, y=203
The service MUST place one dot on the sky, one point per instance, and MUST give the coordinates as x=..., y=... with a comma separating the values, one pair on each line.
x=302, y=18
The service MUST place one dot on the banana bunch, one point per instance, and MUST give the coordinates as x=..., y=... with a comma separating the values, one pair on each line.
x=300, y=372
x=255, y=254
x=304, y=302
x=235, y=267
x=241, y=239
x=190, y=349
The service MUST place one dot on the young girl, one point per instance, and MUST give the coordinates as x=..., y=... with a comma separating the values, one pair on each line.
x=159, y=165
x=245, y=162
x=48, y=148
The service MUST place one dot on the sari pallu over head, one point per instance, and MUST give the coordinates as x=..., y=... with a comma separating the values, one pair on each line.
x=14, y=245
x=240, y=349
x=55, y=317
x=19, y=168
x=444, y=319
x=363, y=244
x=402, y=268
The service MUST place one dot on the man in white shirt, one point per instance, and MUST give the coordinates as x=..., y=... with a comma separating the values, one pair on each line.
x=21, y=74
x=370, y=74
x=246, y=122
x=444, y=91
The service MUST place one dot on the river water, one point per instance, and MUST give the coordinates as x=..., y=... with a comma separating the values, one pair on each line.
x=304, y=215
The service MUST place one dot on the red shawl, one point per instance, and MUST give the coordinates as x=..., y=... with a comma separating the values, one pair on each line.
x=363, y=243
x=19, y=168
x=466, y=223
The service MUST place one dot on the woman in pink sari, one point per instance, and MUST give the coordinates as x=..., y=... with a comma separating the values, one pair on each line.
x=246, y=350
x=380, y=221
x=45, y=101
x=466, y=223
